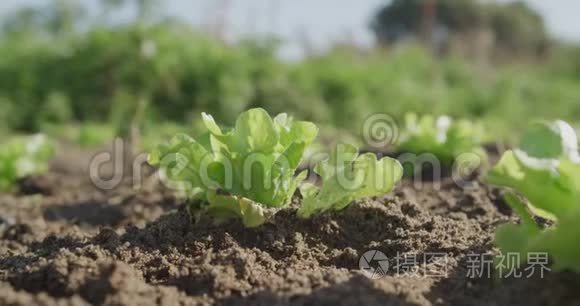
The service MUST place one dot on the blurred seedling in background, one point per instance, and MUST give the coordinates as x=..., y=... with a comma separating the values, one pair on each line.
x=446, y=139
x=21, y=157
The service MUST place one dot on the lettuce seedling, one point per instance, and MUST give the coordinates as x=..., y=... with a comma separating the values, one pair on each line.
x=21, y=157
x=545, y=169
x=246, y=172
x=443, y=137
x=347, y=176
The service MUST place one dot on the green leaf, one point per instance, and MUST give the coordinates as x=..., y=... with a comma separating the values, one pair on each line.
x=294, y=131
x=561, y=242
x=180, y=161
x=225, y=207
x=308, y=190
x=255, y=132
x=347, y=177
x=210, y=124
x=542, y=140
x=546, y=171
x=547, y=191
x=245, y=172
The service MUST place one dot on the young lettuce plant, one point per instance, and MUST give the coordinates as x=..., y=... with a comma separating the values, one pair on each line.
x=246, y=172
x=21, y=157
x=444, y=138
x=545, y=169
x=347, y=176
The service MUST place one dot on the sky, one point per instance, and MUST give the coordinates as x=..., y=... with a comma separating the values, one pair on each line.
x=318, y=22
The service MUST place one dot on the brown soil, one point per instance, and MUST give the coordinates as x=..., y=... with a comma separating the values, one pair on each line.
x=70, y=244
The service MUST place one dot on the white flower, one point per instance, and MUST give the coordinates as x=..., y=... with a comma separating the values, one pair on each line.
x=35, y=143
x=442, y=125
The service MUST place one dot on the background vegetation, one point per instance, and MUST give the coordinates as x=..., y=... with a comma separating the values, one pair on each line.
x=60, y=66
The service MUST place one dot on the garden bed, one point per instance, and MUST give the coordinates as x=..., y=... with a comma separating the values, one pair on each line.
x=76, y=245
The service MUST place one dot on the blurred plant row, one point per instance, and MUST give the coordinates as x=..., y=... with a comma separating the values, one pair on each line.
x=141, y=74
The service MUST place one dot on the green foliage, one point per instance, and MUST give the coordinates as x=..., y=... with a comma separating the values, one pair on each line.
x=155, y=70
x=167, y=72
x=58, y=18
x=545, y=169
x=106, y=74
x=516, y=27
x=246, y=172
x=402, y=18
x=347, y=176
x=443, y=137
x=93, y=134
x=86, y=135
x=21, y=157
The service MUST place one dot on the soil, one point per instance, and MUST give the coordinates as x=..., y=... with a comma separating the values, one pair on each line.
x=65, y=242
